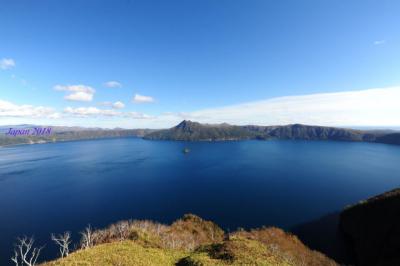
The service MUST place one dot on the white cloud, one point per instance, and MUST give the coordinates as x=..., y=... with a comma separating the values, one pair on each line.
x=112, y=84
x=379, y=42
x=373, y=107
x=93, y=111
x=79, y=92
x=105, y=103
x=8, y=109
x=79, y=96
x=75, y=88
x=118, y=105
x=88, y=111
x=137, y=115
x=7, y=63
x=55, y=116
x=142, y=99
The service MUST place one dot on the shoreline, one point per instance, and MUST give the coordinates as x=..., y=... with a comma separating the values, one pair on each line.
x=190, y=141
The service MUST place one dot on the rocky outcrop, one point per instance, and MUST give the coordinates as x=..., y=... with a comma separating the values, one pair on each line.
x=372, y=230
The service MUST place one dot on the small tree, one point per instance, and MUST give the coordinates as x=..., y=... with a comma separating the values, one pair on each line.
x=24, y=253
x=87, y=239
x=122, y=230
x=63, y=241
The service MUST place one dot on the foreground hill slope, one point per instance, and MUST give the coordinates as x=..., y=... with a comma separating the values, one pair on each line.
x=193, y=131
x=121, y=253
x=372, y=228
x=192, y=241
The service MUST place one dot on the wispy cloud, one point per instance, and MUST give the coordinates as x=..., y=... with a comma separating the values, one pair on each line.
x=105, y=104
x=78, y=92
x=137, y=115
x=7, y=63
x=11, y=110
x=79, y=96
x=116, y=105
x=112, y=84
x=74, y=88
x=8, y=109
x=90, y=111
x=142, y=99
x=379, y=42
x=373, y=107
x=94, y=111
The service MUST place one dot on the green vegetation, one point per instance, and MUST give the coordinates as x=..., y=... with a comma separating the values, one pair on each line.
x=190, y=241
x=192, y=131
x=121, y=253
x=69, y=134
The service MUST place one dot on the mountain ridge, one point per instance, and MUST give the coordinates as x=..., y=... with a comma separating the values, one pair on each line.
x=193, y=131
x=60, y=133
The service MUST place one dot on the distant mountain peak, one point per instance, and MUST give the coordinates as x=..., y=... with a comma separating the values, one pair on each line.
x=191, y=124
x=186, y=124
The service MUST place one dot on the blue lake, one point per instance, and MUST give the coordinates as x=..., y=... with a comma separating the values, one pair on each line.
x=51, y=188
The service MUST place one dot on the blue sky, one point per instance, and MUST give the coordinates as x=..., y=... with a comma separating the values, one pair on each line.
x=189, y=57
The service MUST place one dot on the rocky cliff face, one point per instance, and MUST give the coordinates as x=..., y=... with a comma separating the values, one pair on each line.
x=372, y=229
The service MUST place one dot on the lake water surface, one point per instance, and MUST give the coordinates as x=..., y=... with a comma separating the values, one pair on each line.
x=51, y=188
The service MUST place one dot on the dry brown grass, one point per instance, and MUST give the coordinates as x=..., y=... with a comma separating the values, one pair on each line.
x=287, y=246
x=187, y=233
x=147, y=233
x=194, y=241
x=191, y=232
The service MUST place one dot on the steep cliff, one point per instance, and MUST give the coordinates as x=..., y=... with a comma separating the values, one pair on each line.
x=372, y=229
